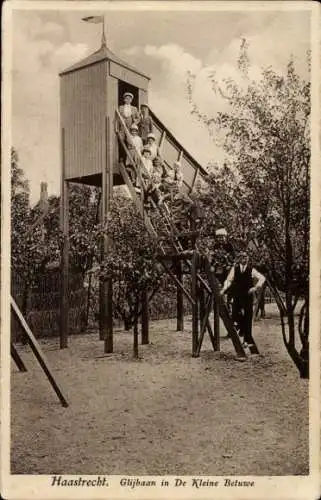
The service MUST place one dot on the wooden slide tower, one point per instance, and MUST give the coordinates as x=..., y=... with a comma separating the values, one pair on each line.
x=90, y=94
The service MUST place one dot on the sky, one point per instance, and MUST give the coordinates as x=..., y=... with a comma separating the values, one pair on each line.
x=164, y=44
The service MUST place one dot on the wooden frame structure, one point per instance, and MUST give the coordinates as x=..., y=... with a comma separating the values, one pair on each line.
x=89, y=154
x=32, y=341
x=92, y=130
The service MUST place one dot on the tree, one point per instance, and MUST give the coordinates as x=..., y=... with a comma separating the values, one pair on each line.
x=84, y=204
x=36, y=238
x=262, y=192
x=28, y=250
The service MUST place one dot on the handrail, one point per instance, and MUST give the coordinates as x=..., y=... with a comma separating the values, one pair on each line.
x=137, y=170
x=128, y=182
x=128, y=136
x=177, y=144
x=148, y=223
x=199, y=277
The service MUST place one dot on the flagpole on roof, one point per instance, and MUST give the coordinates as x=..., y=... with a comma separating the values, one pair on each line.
x=103, y=36
x=98, y=20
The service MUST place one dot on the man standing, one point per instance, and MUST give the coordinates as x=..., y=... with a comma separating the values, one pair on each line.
x=240, y=281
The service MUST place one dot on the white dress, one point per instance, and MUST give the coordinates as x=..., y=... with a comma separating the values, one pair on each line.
x=135, y=146
x=154, y=151
x=148, y=164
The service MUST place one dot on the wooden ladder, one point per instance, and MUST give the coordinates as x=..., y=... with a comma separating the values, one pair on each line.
x=209, y=286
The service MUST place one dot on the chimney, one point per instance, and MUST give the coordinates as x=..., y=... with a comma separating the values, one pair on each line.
x=44, y=196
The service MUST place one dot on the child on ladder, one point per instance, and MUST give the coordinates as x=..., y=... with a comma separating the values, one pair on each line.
x=147, y=162
x=128, y=112
x=172, y=182
x=154, y=187
x=145, y=124
x=181, y=204
x=130, y=116
x=154, y=149
x=135, y=146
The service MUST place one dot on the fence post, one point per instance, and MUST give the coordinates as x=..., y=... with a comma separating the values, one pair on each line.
x=64, y=304
x=179, y=297
x=195, y=304
x=216, y=325
x=136, y=328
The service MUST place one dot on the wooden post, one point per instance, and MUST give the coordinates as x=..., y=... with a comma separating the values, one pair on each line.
x=201, y=293
x=106, y=315
x=223, y=311
x=97, y=219
x=194, y=305
x=205, y=324
x=102, y=312
x=145, y=318
x=216, y=308
x=107, y=289
x=136, y=329
x=17, y=359
x=38, y=353
x=101, y=281
x=24, y=307
x=88, y=302
x=260, y=297
x=179, y=297
x=64, y=226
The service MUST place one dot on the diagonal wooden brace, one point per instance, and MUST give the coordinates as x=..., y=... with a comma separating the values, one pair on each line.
x=38, y=352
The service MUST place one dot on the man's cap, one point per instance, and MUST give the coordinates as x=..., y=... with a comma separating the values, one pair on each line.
x=242, y=253
x=221, y=232
x=133, y=127
x=128, y=94
x=151, y=136
x=144, y=105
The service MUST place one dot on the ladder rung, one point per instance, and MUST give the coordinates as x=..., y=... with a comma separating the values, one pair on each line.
x=181, y=255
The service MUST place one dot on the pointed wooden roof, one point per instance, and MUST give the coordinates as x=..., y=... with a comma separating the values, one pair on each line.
x=102, y=54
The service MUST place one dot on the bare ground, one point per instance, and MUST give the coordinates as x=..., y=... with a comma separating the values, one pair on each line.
x=166, y=413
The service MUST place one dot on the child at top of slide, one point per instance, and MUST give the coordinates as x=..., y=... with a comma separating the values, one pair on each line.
x=128, y=112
